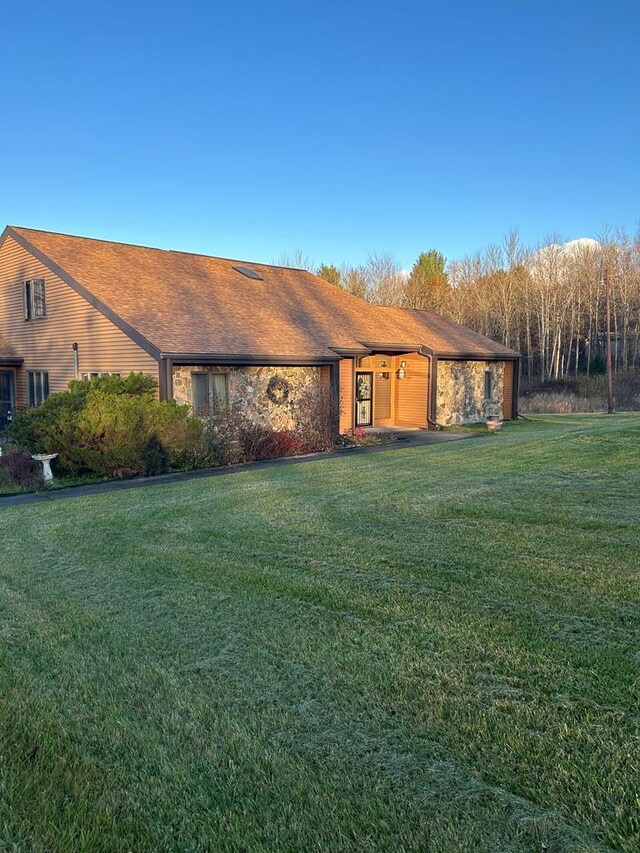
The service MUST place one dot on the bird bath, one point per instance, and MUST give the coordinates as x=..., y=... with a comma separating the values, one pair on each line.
x=45, y=458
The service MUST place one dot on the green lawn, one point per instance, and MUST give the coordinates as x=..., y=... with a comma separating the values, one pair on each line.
x=424, y=649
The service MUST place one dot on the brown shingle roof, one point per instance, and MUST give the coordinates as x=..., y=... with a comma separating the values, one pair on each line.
x=8, y=354
x=188, y=303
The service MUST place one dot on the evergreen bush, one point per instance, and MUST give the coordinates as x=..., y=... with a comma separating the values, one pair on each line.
x=104, y=425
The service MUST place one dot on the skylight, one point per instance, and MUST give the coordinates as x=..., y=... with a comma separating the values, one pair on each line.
x=249, y=273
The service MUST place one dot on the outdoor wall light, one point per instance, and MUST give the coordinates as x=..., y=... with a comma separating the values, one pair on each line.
x=402, y=370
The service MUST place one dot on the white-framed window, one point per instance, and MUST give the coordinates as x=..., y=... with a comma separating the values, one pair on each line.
x=209, y=392
x=94, y=374
x=488, y=385
x=37, y=386
x=35, y=303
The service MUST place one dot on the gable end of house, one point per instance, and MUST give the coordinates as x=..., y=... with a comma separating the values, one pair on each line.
x=71, y=335
x=82, y=291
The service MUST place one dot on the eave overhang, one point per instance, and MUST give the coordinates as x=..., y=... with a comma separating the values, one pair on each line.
x=261, y=360
x=478, y=356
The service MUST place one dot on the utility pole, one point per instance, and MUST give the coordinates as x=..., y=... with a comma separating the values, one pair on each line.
x=607, y=291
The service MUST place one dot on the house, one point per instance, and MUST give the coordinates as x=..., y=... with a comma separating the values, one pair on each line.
x=216, y=331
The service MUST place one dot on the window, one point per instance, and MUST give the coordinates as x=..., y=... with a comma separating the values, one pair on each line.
x=38, y=384
x=35, y=306
x=209, y=392
x=488, y=385
x=87, y=376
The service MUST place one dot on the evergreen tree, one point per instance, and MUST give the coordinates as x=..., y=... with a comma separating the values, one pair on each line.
x=428, y=284
x=330, y=273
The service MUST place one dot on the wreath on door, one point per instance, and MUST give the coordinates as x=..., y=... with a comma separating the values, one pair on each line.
x=278, y=390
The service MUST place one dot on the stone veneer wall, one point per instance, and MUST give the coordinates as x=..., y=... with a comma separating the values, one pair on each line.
x=248, y=390
x=460, y=392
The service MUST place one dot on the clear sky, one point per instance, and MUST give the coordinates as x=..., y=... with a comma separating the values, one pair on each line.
x=253, y=129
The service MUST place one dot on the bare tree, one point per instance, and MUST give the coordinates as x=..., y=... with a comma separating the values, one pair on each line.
x=546, y=301
x=298, y=259
x=386, y=279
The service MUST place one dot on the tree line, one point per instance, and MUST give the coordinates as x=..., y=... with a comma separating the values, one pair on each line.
x=547, y=302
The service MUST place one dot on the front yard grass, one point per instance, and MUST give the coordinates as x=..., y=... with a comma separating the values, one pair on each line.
x=428, y=649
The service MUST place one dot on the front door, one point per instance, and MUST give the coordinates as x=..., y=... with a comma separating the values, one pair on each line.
x=364, y=399
x=382, y=393
x=6, y=397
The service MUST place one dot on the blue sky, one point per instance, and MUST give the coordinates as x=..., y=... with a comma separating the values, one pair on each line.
x=337, y=128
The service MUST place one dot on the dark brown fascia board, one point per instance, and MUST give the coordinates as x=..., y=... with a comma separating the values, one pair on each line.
x=242, y=359
x=475, y=356
x=349, y=352
x=135, y=336
x=393, y=347
x=368, y=348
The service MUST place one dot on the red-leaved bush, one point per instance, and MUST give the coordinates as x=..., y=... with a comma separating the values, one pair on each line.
x=289, y=444
x=257, y=442
x=356, y=432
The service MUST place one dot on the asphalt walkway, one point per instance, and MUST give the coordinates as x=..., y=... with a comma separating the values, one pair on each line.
x=405, y=440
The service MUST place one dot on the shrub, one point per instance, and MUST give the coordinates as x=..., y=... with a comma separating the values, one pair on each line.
x=114, y=426
x=19, y=470
x=582, y=394
x=132, y=385
x=103, y=426
x=180, y=434
x=559, y=403
x=155, y=458
x=261, y=442
x=257, y=442
x=358, y=436
x=626, y=388
x=51, y=427
x=221, y=438
x=112, y=434
x=288, y=443
x=229, y=438
x=356, y=432
x=315, y=413
x=113, y=431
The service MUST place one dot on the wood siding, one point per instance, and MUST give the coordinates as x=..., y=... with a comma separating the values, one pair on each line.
x=507, y=397
x=398, y=402
x=412, y=392
x=382, y=413
x=46, y=344
x=346, y=394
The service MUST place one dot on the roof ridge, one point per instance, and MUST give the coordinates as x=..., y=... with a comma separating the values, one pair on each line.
x=160, y=249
